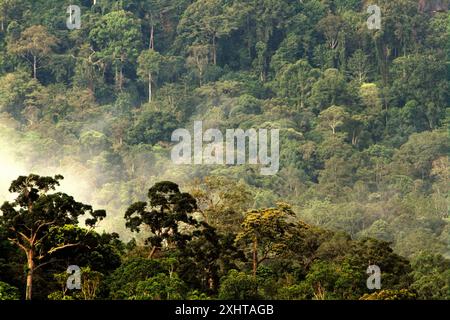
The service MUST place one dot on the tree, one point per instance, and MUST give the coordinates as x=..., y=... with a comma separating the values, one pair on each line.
x=93, y=142
x=99, y=252
x=161, y=287
x=238, y=286
x=152, y=127
x=206, y=21
x=423, y=79
x=210, y=253
x=399, y=20
x=331, y=26
x=396, y=270
x=152, y=13
x=123, y=282
x=295, y=81
x=260, y=62
x=166, y=210
x=333, y=117
x=266, y=230
x=117, y=39
x=35, y=213
x=330, y=89
x=149, y=63
x=17, y=93
x=198, y=58
x=35, y=44
x=415, y=157
x=90, y=284
x=371, y=98
x=6, y=8
x=431, y=274
x=88, y=69
x=222, y=202
x=358, y=66
x=327, y=280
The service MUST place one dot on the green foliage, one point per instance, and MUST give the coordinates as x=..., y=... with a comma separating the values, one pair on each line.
x=90, y=284
x=161, y=287
x=168, y=208
x=8, y=292
x=403, y=294
x=35, y=214
x=152, y=127
x=363, y=118
x=431, y=273
x=124, y=280
x=266, y=230
x=238, y=286
x=35, y=43
x=117, y=37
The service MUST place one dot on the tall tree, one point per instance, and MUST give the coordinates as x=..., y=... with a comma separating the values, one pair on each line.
x=199, y=58
x=222, y=202
x=35, y=44
x=359, y=66
x=266, y=230
x=206, y=21
x=166, y=209
x=117, y=39
x=5, y=8
x=149, y=64
x=333, y=117
x=35, y=213
x=295, y=81
x=424, y=79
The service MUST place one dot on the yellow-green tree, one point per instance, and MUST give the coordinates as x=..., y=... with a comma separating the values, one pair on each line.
x=333, y=117
x=34, y=44
x=266, y=231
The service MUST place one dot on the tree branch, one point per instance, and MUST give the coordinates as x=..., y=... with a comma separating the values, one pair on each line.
x=40, y=226
x=18, y=244
x=48, y=262
x=52, y=250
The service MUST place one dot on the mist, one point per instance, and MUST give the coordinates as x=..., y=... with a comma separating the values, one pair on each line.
x=82, y=178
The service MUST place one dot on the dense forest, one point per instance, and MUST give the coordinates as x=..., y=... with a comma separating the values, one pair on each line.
x=86, y=177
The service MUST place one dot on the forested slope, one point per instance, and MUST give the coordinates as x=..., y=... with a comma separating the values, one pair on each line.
x=363, y=119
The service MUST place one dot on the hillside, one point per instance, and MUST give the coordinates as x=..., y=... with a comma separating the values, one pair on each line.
x=362, y=116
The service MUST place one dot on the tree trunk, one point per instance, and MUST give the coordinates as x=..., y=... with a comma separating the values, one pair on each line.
x=354, y=138
x=255, y=256
x=152, y=253
x=214, y=50
x=29, y=289
x=116, y=76
x=121, y=78
x=34, y=67
x=152, y=37
x=200, y=73
x=149, y=87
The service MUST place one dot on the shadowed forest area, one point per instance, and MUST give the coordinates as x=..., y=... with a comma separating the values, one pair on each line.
x=86, y=177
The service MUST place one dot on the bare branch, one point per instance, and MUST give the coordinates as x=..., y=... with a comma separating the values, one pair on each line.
x=15, y=241
x=45, y=263
x=52, y=250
